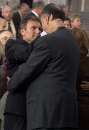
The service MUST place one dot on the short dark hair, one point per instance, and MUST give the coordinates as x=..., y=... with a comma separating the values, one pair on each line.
x=28, y=18
x=38, y=4
x=67, y=18
x=51, y=9
x=24, y=3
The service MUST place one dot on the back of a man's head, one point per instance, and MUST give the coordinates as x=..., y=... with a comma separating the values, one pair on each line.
x=52, y=18
x=56, y=13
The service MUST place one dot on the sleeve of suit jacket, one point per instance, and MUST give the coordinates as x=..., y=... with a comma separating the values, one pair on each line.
x=28, y=71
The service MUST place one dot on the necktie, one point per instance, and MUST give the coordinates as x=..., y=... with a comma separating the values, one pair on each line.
x=9, y=27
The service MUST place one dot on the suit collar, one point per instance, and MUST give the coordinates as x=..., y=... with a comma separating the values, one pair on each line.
x=35, y=13
x=61, y=28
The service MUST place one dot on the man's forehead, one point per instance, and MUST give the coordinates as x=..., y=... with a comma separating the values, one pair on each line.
x=30, y=22
x=7, y=8
x=77, y=19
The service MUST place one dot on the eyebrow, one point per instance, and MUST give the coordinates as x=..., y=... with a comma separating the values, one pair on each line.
x=1, y=31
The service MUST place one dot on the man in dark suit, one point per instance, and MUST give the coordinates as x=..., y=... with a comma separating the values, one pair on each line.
x=17, y=52
x=49, y=77
x=19, y=15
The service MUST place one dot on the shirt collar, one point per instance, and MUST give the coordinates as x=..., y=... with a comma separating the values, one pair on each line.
x=35, y=13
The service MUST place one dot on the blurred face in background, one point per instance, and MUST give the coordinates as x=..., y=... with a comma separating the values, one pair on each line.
x=31, y=31
x=4, y=36
x=25, y=9
x=67, y=24
x=76, y=23
x=7, y=13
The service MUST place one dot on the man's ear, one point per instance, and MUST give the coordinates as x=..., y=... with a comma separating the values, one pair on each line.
x=22, y=32
x=47, y=19
x=50, y=18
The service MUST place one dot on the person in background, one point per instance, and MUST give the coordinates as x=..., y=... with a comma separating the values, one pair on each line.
x=67, y=23
x=4, y=36
x=22, y=12
x=17, y=52
x=7, y=14
x=37, y=8
x=65, y=9
x=75, y=21
x=83, y=87
x=3, y=24
x=29, y=2
x=50, y=84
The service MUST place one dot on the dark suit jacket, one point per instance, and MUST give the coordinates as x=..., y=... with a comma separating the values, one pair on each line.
x=49, y=75
x=17, y=52
x=2, y=81
x=17, y=21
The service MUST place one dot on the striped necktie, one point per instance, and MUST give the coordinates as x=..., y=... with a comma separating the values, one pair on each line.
x=9, y=27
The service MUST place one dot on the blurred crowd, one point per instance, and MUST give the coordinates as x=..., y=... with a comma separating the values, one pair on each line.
x=34, y=73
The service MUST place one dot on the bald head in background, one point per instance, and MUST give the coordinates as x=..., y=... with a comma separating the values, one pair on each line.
x=7, y=12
